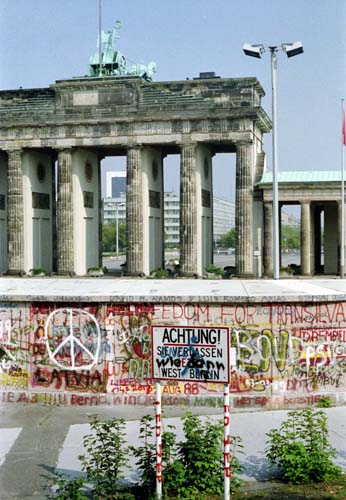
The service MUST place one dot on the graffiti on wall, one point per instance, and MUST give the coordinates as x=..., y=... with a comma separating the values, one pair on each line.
x=103, y=353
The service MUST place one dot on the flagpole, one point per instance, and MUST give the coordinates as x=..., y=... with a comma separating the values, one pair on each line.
x=100, y=44
x=342, y=244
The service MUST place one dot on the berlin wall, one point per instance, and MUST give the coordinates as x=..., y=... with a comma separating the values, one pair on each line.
x=88, y=354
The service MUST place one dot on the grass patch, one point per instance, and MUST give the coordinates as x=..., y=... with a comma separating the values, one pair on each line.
x=332, y=490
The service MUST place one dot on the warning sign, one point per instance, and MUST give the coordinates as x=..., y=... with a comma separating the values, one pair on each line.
x=191, y=353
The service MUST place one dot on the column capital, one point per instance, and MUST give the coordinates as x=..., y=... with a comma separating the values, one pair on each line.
x=13, y=152
x=66, y=149
x=184, y=144
x=243, y=144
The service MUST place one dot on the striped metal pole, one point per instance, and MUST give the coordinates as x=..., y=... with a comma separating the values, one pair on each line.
x=158, y=441
x=227, y=443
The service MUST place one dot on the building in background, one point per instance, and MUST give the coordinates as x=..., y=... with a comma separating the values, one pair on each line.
x=115, y=184
x=111, y=207
x=223, y=217
x=289, y=219
x=171, y=219
x=223, y=211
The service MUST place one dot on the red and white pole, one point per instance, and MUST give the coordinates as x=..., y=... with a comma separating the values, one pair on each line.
x=158, y=441
x=227, y=443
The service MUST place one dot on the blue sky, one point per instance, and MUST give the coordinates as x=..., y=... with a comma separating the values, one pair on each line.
x=47, y=40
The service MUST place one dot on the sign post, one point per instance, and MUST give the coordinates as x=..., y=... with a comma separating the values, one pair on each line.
x=226, y=443
x=192, y=354
x=158, y=428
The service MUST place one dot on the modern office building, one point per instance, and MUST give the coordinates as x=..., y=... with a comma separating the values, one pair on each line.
x=115, y=184
x=171, y=219
x=113, y=207
x=223, y=217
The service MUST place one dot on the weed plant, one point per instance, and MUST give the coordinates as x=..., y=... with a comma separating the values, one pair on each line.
x=301, y=449
x=190, y=468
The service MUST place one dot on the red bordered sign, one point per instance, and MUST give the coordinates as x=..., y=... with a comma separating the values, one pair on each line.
x=191, y=353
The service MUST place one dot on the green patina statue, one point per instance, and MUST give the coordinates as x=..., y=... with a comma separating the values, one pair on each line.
x=113, y=62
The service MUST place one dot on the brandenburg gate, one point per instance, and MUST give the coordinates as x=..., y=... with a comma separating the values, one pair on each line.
x=52, y=141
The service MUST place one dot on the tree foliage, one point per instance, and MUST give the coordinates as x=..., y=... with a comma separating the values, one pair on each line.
x=290, y=236
x=228, y=240
x=109, y=237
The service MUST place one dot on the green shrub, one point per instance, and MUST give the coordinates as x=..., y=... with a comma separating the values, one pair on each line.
x=106, y=457
x=146, y=454
x=159, y=273
x=65, y=488
x=190, y=468
x=288, y=270
x=36, y=271
x=324, y=402
x=202, y=456
x=211, y=268
x=301, y=448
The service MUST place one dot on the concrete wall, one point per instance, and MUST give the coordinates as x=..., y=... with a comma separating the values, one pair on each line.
x=288, y=354
x=3, y=214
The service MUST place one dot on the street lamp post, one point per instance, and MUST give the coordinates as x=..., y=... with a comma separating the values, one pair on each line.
x=291, y=49
x=117, y=205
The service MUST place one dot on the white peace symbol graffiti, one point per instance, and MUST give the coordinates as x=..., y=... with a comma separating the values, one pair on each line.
x=72, y=343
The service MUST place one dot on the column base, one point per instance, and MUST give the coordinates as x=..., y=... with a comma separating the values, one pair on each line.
x=245, y=276
x=16, y=272
x=69, y=274
x=268, y=276
x=134, y=274
x=188, y=274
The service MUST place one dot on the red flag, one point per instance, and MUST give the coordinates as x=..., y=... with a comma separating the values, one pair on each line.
x=343, y=128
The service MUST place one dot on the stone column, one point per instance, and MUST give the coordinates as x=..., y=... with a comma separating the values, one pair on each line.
x=280, y=237
x=244, y=210
x=305, y=245
x=15, y=225
x=65, y=257
x=99, y=201
x=188, y=211
x=317, y=239
x=134, y=215
x=268, y=239
x=54, y=235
